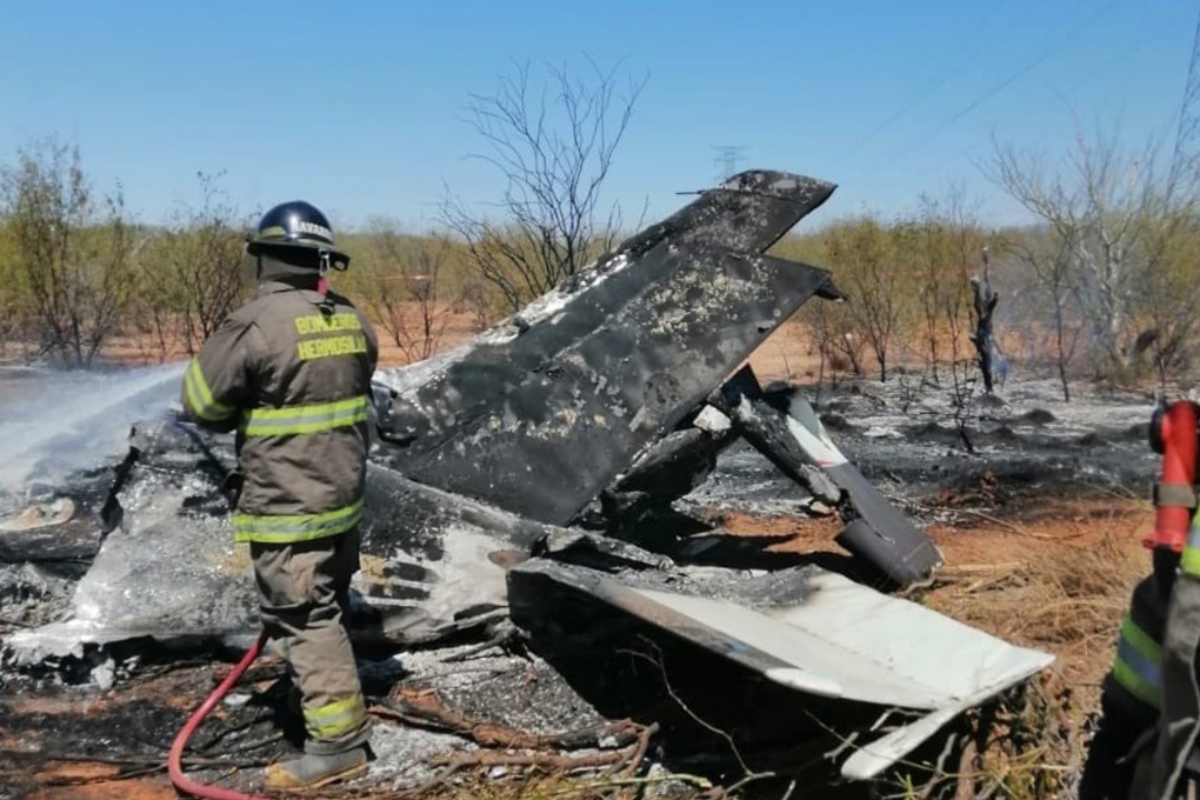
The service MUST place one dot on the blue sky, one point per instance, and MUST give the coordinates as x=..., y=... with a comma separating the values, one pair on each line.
x=360, y=106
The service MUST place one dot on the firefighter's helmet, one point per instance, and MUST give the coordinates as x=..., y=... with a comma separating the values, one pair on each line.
x=297, y=223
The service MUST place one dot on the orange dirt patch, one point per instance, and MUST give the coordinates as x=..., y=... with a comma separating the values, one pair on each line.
x=790, y=534
x=74, y=771
x=87, y=781
x=40, y=766
x=83, y=780
x=788, y=353
x=54, y=706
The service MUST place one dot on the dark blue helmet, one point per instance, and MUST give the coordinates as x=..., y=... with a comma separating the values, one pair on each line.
x=296, y=224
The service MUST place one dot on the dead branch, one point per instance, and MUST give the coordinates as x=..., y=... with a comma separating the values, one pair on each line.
x=639, y=752
x=254, y=744
x=1007, y=525
x=225, y=733
x=574, y=789
x=966, y=772
x=139, y=765
x=553, y=177
x=749, y=776
x=491, y=758
x=617, y=783
x=684, y=706
x=964, y=571
x=939, y=775
x=425, y=710
x=499, y=640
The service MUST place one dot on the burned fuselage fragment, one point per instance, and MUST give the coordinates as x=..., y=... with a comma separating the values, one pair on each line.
x=539, y=422
x=553, y=414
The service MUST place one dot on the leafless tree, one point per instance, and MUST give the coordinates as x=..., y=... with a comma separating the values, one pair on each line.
x=1097, y=209
x=403, y=284
x=963, y=375
x=554, y=166
x=930, y=249
x=72, y=249
x=931, y=240
x=16, y=320
x=837, y=347
x=1049, y=259
x=950, y=240
x=1167, y=293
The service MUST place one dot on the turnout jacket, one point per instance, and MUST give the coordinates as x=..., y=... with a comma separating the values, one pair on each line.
x=293, y=376
x=1145, y=746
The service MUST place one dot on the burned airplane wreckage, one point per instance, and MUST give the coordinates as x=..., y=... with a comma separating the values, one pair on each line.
x=524, y=480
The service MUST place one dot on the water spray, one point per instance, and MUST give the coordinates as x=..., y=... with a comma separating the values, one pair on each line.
x=75, y=419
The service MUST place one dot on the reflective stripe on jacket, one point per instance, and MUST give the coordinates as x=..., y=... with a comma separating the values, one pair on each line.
x=294, y=378
x=1136, y=666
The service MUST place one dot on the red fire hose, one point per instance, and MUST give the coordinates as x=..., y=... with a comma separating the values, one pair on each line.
x=174, y=765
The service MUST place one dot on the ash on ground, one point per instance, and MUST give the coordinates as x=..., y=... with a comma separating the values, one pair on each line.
x=904, y=436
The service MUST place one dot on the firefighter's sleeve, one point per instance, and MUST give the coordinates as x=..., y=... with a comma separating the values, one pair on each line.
x=372, y=341
x=217, y=383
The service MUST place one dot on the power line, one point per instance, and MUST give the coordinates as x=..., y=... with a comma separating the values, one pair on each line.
x=1000, y=86
x=1189, y=108
x=728, y=158
x=974, y=50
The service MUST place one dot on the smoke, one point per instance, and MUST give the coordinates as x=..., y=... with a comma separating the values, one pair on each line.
x=53, y=423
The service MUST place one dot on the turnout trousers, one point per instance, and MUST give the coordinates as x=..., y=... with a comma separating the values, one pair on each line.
x=303, y=593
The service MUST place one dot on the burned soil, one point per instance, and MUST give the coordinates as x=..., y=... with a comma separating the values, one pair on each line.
x=1026, y=440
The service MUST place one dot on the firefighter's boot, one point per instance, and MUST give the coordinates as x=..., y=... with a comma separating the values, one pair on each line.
x=311, y=771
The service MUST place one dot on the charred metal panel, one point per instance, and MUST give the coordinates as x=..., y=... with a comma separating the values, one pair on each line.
x=453, y=401
x=402, y=515
x=562, y=432
x=819, y=634
x=662, y=473
x=747, y=214
x=65, y=531
x=783, y=427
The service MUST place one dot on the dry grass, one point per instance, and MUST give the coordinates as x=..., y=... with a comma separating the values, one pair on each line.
x=1068, y=599
x=1024, y=747
x=1066, y=596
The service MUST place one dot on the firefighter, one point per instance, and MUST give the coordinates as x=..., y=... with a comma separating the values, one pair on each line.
x=1145, y=747
x=1130, y=701
x=291, y=372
